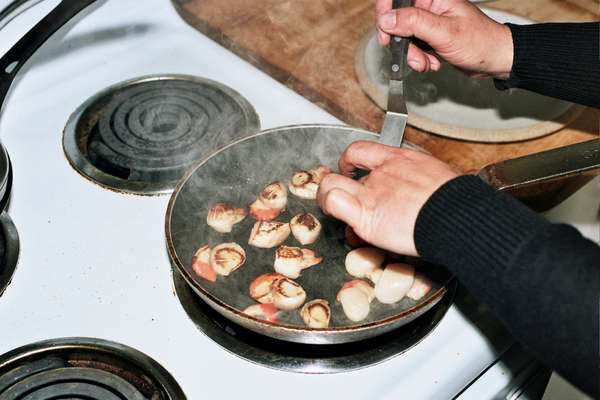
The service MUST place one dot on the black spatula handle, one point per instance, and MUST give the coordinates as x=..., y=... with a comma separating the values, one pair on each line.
x=399, y=47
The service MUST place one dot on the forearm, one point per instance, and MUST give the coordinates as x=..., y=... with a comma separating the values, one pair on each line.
x=541, y=280
x=560, y=60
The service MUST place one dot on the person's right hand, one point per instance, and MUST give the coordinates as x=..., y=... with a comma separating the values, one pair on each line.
x=457, y=31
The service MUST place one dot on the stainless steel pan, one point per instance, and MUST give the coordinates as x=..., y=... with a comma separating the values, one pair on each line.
x=236, y=174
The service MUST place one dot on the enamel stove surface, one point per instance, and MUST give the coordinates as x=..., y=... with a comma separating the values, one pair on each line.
x=93, y=262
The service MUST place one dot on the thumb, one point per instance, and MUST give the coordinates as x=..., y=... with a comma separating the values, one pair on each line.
x=412, y=21
x=343, y=206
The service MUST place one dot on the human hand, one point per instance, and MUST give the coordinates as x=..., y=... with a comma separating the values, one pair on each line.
x=456, y=30
x=382, y=207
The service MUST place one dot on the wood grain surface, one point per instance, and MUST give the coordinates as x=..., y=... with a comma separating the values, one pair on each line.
x=310, y=46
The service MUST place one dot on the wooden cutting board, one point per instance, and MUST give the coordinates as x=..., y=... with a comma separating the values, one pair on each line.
x=310, y=46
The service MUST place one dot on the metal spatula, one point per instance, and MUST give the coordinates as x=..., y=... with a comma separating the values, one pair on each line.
x=396, y=116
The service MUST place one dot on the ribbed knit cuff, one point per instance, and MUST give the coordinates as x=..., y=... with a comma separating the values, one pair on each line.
x=467, y=224
x=561, y=60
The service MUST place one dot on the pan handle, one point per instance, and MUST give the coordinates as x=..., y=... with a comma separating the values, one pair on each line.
x=12, y=62
x=543, y=167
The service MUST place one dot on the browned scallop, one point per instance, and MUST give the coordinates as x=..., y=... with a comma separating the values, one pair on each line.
x=305, y=228
x=201, y=264
x=222, y=216
x=279, y=290
x=270, y=203
x=305, y=184
x=226, y=258
x=268, y=234
x=290, y=261
x=316, y=314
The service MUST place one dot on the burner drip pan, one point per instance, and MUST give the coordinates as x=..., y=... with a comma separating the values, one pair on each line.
x=9, y=250
x=305, y=358
x=81, y=368
x=142, y=135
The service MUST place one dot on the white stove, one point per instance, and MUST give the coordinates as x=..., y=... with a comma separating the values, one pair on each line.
x=93, y=263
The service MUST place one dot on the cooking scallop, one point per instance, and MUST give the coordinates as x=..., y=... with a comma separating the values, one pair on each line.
x=365, y=262
x=271, y=201
x=201, y=264
x=279, y=290
x=268, y=234
x=305, y=228
x=316, y=313
x=420, y=287
x=356, y=297
x=290, y=261
x=305, y=184
x=395, y=282
x=222, y=216
x=226, y=258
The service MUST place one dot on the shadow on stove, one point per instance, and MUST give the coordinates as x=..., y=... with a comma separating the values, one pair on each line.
x=84, y=368
x=9, y=250
x=303, y=358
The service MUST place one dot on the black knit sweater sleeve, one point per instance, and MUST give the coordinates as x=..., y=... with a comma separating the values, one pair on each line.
x=541, y=280
x=560, y=60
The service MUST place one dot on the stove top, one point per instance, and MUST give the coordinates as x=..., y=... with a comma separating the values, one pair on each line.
x=305, y=358
x=140, y=136
x=82, y=368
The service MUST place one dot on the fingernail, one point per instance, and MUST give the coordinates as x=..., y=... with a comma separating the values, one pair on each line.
x=414, y=64
x=387, y=20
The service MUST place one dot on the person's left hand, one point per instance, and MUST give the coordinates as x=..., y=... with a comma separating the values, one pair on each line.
x=382, y=207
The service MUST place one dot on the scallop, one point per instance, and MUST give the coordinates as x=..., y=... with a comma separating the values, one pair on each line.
x=395, y=282
x=316, y=314
x=226, y=258
x=365, y=262
x=290, y=261
x=268, y=234
x=305, y=184
x=356, y=297
x=266, y=312
x=201, y=264
x=420, y=287
x=305, y=228
x=222, y=216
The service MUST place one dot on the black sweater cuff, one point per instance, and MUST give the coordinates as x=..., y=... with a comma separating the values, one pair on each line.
x=472, y=224
x=557, y=59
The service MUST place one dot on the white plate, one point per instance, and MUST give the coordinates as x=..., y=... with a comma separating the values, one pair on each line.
x=451, y=104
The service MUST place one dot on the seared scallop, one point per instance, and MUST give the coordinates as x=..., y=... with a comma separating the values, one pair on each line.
x=226, y=258
x=268, y=234
x=305, y=184
x=289, y=261
x=365, y=262
x=222, y=216
x=266, y=312
x=395, y=282
x=316, y=313
x=356, y=297
x=420, y=287
x=201, y=264
x=279, y=290
x=270, y=203
x=305, y=228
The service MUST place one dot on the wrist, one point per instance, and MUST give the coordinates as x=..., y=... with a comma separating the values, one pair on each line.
x=503, y=57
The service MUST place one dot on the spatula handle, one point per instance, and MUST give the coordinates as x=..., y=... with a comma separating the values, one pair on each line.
x=399, y=47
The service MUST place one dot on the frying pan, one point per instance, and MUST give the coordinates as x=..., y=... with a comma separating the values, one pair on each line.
x=12, y=62
x=236, y=174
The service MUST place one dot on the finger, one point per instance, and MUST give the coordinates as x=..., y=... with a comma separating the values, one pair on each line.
x=383, y=38
x=336, y=181
x=383, y=6
x=343, y=206
x=365, y=155
x=434, y=63
x=417, y=59
x=412, y=21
